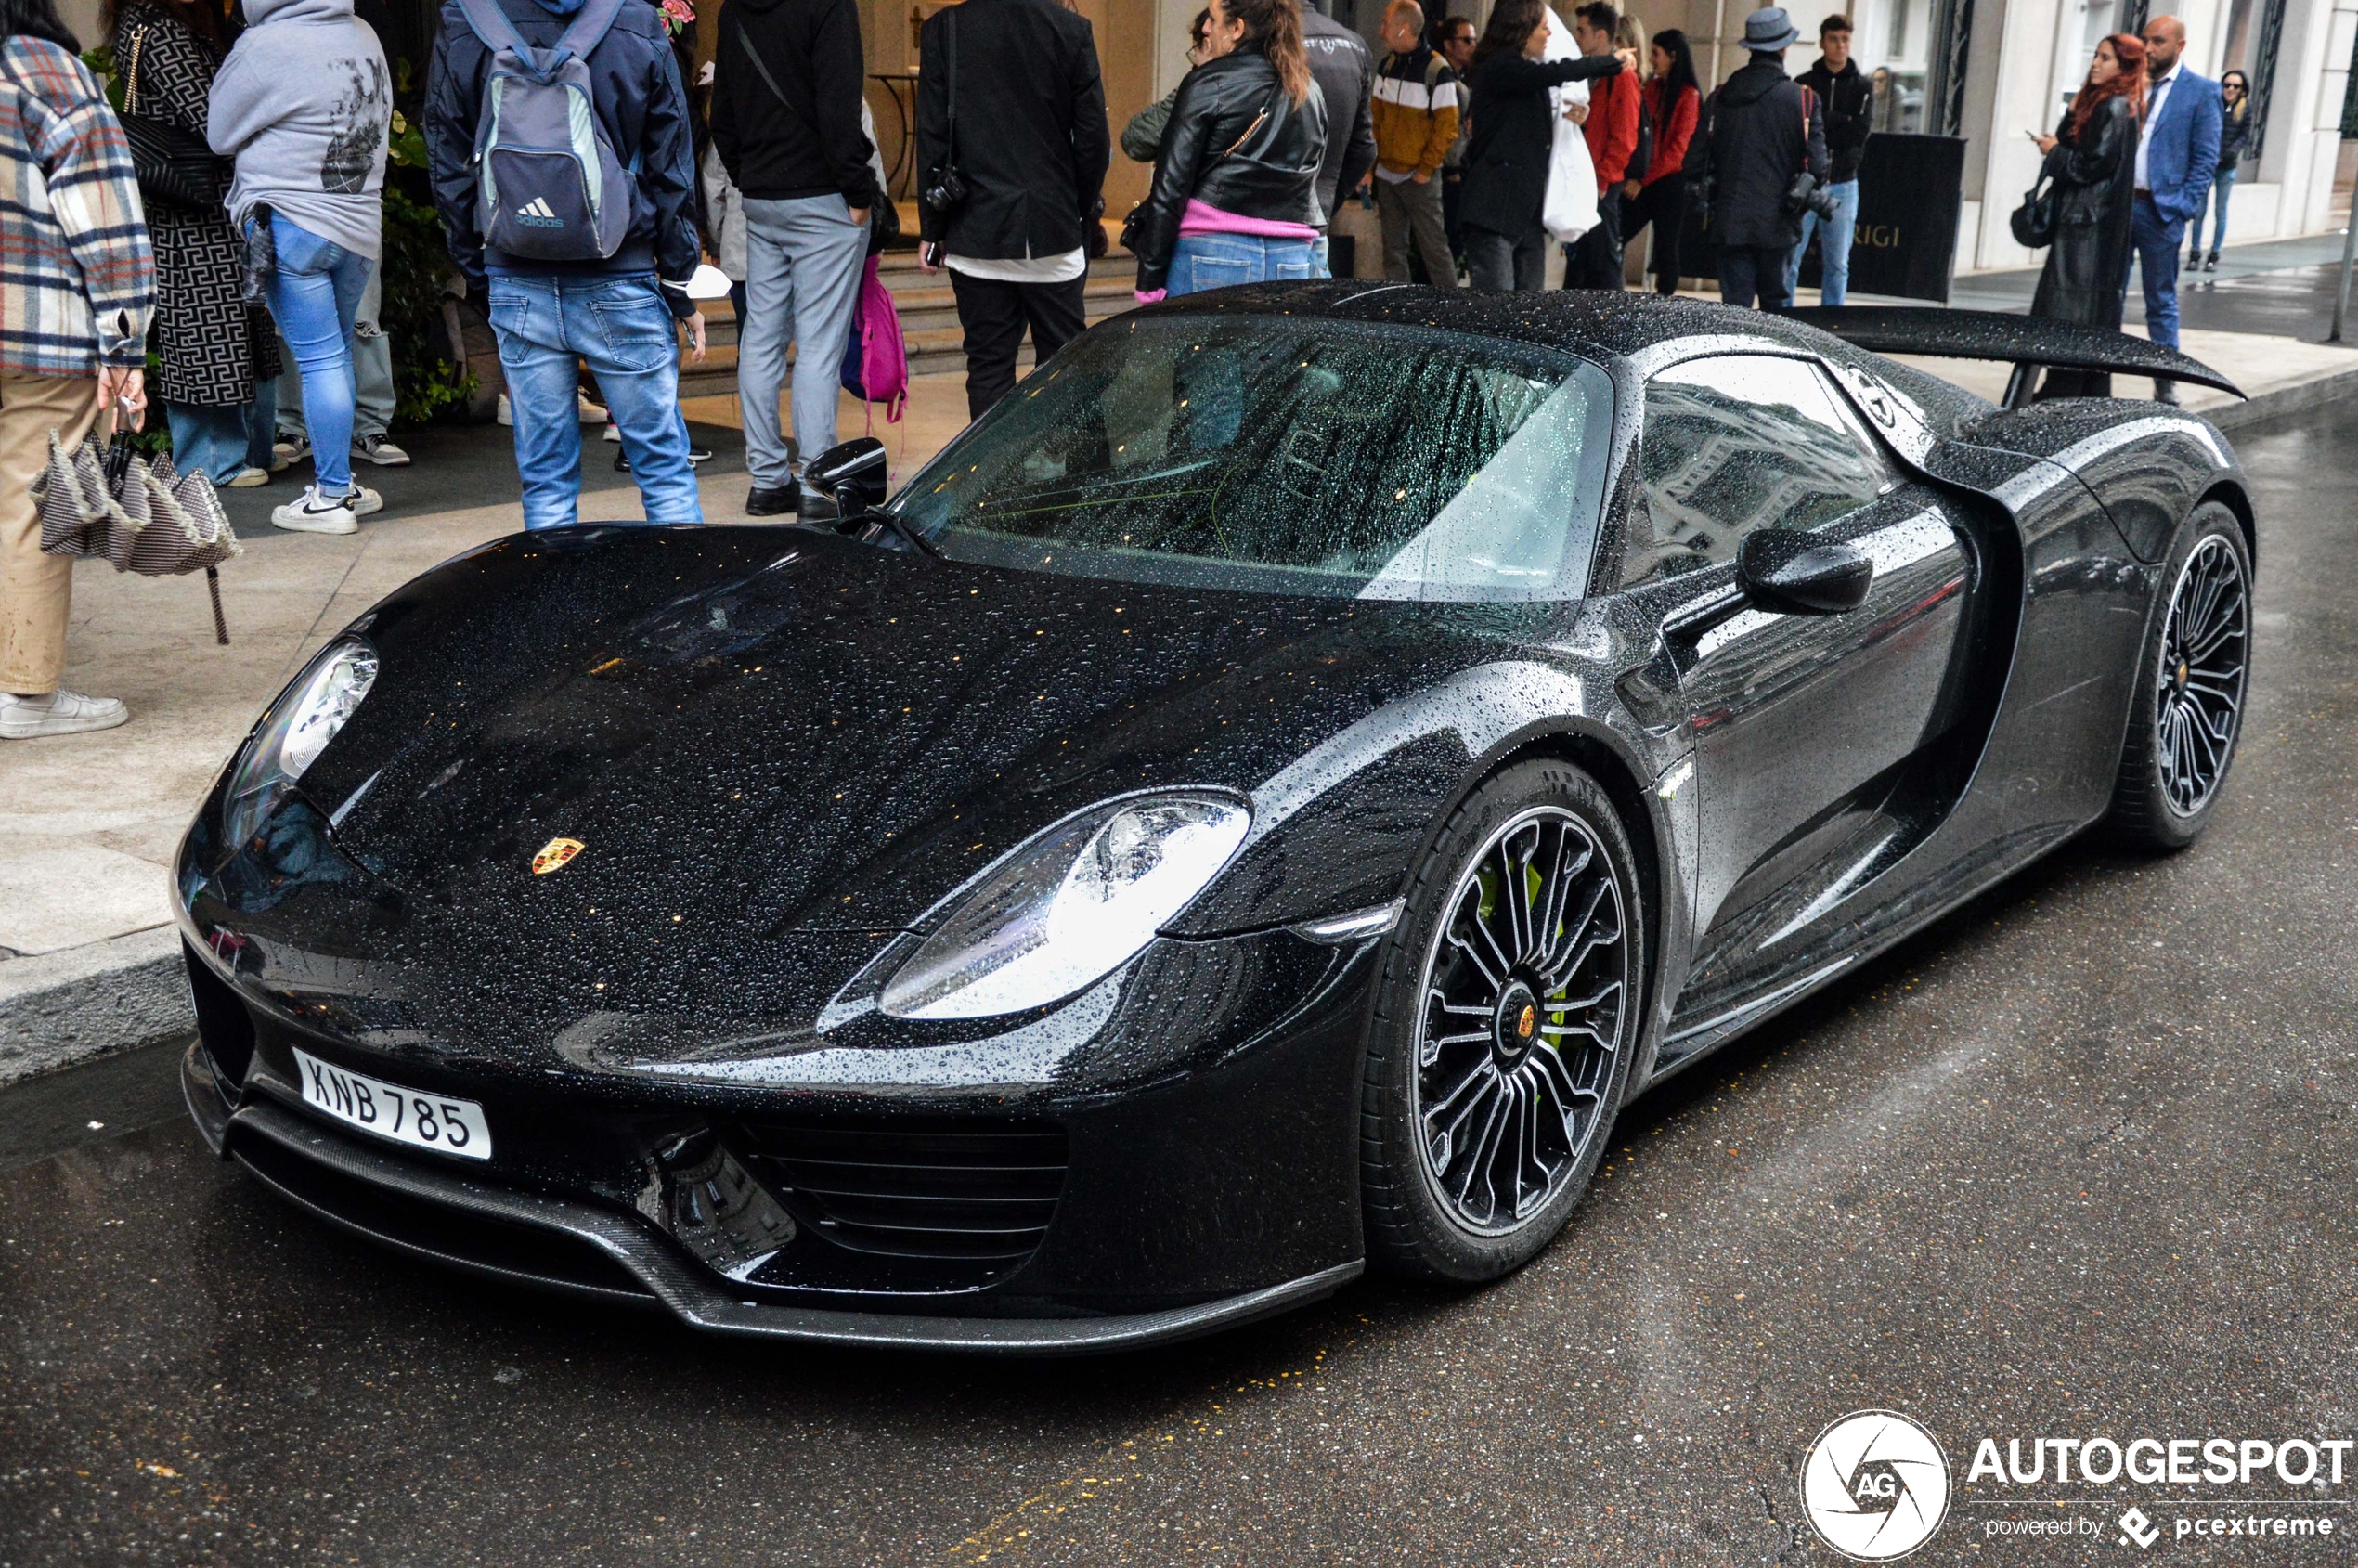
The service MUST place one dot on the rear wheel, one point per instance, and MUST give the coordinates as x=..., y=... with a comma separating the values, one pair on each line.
x=2192, y=682
x=1510, y=1001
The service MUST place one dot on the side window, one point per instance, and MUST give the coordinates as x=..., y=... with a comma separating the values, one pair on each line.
x=1738, y=442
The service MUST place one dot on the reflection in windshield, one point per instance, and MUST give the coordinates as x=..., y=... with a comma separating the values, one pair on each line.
x=1270, y=454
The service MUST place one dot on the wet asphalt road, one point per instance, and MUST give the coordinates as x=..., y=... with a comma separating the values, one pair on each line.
x=2078, y=1160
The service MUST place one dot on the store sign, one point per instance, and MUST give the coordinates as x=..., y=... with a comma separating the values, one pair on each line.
x=1911, y=195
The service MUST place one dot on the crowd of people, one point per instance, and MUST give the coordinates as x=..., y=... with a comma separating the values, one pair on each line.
x=238, y=251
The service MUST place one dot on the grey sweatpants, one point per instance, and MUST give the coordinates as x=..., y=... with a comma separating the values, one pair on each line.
x=803, y=262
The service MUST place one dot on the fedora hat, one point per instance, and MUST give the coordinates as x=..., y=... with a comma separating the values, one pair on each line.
x=1770, y=29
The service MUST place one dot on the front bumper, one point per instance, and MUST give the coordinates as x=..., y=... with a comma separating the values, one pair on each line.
x=533, y=1239
x=1202, y=1173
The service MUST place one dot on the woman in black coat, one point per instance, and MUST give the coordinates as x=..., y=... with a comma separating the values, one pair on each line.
x=2092, y=159
x=212, y=353
x=1505, y=189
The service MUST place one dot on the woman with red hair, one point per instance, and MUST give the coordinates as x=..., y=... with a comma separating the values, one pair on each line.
x=2092, y=159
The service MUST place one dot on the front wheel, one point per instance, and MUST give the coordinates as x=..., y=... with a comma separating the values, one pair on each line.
x=2192, y=682
x=1510, y=1008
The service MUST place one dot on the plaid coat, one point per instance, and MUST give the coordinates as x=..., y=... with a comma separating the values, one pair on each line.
x=77, y=280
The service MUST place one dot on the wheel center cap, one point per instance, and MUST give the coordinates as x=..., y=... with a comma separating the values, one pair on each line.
x=1516, y=1024
x=2181, y=675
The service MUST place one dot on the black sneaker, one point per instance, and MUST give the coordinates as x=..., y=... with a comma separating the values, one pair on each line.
x=781, y=502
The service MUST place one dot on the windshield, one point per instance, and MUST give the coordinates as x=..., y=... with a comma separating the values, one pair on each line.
x=1285, y=456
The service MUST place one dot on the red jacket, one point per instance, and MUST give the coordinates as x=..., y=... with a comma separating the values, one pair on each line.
x=1612, y=129
x=1672, y=133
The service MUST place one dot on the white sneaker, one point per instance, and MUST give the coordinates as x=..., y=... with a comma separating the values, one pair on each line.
x=379, y=450
x=364, y=500
x=59, y=713
x=614, y=433
x=504, y=414
x=247, y=478
x=314, y=514
x=290, y=448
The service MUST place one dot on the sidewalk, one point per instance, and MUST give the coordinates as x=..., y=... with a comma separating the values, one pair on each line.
x=89, y=823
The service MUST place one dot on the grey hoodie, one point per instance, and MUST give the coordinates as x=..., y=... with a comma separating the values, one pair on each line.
x=302, y=103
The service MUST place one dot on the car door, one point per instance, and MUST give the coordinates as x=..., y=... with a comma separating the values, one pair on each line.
x=1804, y=727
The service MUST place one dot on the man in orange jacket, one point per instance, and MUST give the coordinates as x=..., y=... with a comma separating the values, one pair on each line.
x=1612, y=128
x=1416, y=120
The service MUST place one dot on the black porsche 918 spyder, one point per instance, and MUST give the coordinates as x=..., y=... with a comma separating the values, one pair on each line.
x=1258, y=803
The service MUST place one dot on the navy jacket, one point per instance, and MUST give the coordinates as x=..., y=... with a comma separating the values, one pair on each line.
x=2182, y=152
x=635, y=81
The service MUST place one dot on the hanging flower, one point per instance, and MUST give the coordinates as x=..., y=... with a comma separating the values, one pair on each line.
x=678, y=15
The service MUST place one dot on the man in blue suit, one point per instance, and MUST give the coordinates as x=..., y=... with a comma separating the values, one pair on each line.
x=2177, y=155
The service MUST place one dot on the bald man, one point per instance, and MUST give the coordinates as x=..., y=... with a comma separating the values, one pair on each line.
x=2177, y=155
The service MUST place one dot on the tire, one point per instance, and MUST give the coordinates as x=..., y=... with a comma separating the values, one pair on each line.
x=1484, y=1111
x=2194, y=676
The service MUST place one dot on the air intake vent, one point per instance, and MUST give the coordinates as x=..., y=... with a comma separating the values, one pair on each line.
x=953, y=1190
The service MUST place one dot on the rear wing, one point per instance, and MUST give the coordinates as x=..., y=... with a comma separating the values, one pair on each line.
x=1993, y=335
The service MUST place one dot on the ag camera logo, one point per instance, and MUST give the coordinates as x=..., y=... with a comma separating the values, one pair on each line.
x=1875, y=1485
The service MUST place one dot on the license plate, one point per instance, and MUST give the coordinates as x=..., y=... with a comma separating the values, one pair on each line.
x=391, y=1111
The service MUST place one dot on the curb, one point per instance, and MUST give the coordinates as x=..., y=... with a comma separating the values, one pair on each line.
x=63, y=1009
x=2295, y=399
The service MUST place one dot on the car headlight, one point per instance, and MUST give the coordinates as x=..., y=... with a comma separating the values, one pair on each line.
x=299, y=727
x=1067, y=909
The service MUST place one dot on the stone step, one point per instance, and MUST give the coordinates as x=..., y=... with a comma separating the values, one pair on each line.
x=932, y=336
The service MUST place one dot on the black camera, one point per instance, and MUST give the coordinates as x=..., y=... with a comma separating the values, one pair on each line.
x=947, y=190
x=1806, y=195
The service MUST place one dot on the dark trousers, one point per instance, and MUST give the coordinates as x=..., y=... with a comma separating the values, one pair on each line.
x=1747, y=270
x=2156, y=241
x=1499, y=264
x=1594, y=259
x=1663, y=205
x=995, y=315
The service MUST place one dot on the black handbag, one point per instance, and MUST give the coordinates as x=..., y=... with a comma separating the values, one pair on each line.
x=2034, y=221
x=946, y=191
x=173, y=166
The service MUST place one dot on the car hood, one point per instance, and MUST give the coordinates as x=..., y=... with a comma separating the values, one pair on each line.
x=772, y=730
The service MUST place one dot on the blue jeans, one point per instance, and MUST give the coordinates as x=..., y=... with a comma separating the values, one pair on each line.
x=2220, y=189
x=1220, y=261
x=2154, y=244
x=1833, y=245
x=315, y=298
x=371, y=373
x=222, y=443
x=618, y=323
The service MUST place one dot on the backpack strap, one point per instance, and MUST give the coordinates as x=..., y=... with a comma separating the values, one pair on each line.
x=589, y=27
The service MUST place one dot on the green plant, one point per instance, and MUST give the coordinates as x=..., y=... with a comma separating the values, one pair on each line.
x=415, y=268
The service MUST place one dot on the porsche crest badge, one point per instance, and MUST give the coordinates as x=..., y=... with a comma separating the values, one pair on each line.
x=554, y=855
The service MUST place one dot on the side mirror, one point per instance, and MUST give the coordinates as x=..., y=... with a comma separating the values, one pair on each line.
x=853, y=472
x=1788, y=572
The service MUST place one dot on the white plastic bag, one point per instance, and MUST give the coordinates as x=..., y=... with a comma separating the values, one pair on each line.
x=1571, y=209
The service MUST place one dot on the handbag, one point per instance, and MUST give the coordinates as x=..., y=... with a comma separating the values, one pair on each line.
x=2034, y=222
x=141, y=513
x=948, y=191
x=173, y=166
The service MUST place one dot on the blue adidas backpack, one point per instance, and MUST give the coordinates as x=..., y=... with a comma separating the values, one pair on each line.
x=550, y=187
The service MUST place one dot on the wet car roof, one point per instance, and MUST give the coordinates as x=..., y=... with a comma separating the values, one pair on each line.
x=1593, y=322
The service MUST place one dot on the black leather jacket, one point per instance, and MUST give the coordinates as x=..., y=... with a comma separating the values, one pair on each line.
x=1235, y=141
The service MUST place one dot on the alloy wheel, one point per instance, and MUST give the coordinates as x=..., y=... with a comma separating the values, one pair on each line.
x=2198, y=697
x=1526, y=991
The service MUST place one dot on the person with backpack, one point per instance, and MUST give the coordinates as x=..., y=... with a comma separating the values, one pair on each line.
x=1761, y=131
x=302, y=103
x=580, y=235
x=1416, y=122
x=786, y=122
